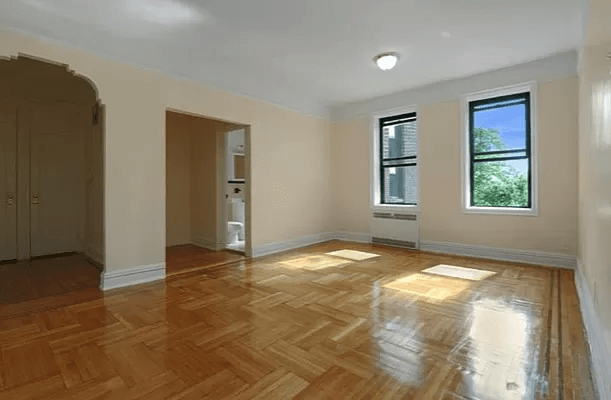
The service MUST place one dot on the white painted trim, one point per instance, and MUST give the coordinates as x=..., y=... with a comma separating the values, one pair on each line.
x=277, y=247
x=374, y=161
x=530, y=87
x=132, y=276
x=395, y=208
x=544, y=70
x=513, y=255
x=600, y=346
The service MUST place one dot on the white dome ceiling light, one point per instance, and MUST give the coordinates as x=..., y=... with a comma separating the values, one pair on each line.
x=386, y=61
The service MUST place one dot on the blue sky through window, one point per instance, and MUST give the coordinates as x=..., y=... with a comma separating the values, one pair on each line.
x=510, y=122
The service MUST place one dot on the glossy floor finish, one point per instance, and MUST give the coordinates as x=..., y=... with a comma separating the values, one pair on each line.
x=188, y=258
x=46, y=276
x=368, y=323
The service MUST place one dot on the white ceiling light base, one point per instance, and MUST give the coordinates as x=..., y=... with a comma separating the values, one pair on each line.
x=386, y=61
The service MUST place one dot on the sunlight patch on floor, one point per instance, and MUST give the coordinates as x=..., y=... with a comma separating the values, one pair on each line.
x=316, y=262
x=459, y=272
x=430, y=287
x=353, y=255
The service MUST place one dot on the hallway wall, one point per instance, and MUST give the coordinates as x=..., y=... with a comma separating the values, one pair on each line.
x=178, y=179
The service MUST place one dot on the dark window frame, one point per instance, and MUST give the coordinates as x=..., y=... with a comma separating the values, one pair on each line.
x=514, y=99
x=386, y=122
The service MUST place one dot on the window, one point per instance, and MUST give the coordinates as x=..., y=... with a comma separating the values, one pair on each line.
x=398, y=163
x=499, y=147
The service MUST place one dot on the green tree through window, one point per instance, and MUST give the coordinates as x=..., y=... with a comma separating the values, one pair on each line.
x=496, y=183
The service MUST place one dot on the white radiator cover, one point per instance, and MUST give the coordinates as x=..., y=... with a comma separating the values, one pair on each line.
x=399, y=227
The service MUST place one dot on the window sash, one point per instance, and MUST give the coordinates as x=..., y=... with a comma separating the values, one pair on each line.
x=394, y=162
x=382, y=184
x=490, y=104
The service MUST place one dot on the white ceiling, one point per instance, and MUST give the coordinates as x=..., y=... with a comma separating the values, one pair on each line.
x=307, y=54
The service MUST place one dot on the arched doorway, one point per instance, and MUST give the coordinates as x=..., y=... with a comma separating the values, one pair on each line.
x=52, y=160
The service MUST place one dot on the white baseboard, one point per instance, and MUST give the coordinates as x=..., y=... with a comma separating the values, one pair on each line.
x=599, y=340
x=276, y=247
x=132, y=276
x=513, y=255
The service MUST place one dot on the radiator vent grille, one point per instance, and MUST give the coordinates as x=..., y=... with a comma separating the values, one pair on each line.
x=406, y=217
x=383, y=215
x=392, y=242
x=403, y=217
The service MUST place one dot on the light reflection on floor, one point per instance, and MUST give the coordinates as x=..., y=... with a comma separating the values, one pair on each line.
x=498, y=347
x=430, y=287
x=398, y=339
x=315, y=262
x=353, y=255
x=459, y=272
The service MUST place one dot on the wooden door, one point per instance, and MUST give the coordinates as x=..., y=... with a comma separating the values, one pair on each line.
x=8, y=182
x=57, y=179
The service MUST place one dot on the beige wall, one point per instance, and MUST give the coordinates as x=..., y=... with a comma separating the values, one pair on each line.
x=178, y=179
x=595, y=189
x=442, y=219
x=290, y=157
x=205, y=176
x=351, y=152
x=95, y=190
x=554, y=230
x=194, y=154
x=595, y=172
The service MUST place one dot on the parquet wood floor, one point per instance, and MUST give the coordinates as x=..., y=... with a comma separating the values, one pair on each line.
x=188, y=258
x=26, y=280
x=308, y=325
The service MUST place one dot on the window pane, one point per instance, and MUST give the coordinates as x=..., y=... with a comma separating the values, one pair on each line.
x=399, y=140
x=501, y=184
x=400, y=185
x=502, y=128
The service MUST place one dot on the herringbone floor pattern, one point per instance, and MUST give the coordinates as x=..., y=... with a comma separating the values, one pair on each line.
x=308, y=325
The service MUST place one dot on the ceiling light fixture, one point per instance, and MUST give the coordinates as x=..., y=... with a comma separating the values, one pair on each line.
x=386, y=61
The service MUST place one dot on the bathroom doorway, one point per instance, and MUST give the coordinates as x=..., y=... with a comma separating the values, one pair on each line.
x=201, y=214
x=235, y=168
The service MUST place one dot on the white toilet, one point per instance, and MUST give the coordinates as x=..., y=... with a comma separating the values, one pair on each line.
x=235, y=224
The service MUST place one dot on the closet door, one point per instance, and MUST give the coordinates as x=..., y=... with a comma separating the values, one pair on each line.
x=57, y=179
x=8, y=182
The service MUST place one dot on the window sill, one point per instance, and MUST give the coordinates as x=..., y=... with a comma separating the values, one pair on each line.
x=522, y=212
x=395, y=208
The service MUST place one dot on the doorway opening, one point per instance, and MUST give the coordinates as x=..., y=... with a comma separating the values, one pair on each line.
x=198, y=201
x=235, y=172
x=52, y=191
